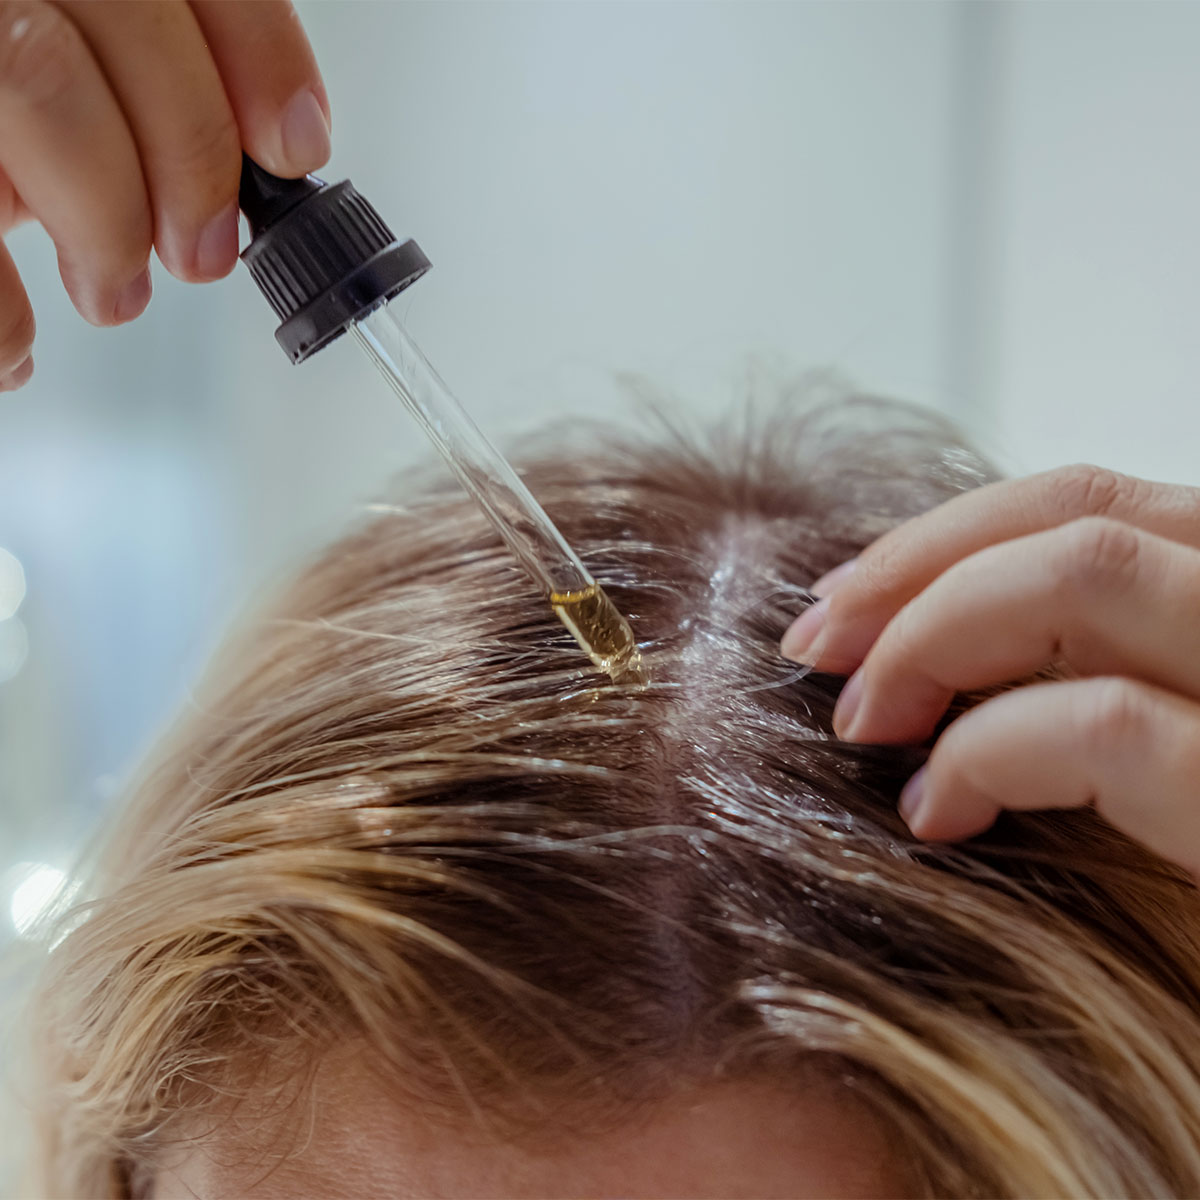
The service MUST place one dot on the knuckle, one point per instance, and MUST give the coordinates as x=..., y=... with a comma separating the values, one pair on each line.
x=1100, y=553
x=41, y=52
x=1082, y=490
x=1114, y=715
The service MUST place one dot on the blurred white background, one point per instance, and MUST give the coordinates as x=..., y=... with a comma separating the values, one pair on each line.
x=989, y=208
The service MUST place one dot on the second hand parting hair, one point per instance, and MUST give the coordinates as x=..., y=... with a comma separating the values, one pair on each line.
x=326, y=261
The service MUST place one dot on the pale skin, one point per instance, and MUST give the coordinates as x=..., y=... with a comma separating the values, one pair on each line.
x=1085, y=568
x=724, y=1140
x=122, y=125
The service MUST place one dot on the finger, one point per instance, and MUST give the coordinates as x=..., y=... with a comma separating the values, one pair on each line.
x=1098, y=596
x=66, y=148
x=174, y=102
x=16, y=326
x=892, y=570
x=1131, y=749
x=272, y=81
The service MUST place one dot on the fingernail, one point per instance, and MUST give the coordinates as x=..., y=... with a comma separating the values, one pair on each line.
x=133, y=298
x=911, y=797
x=800, y=636
x=305, y=132
x=18, y=376
x=217, y=245
x=832, y=580
x=847, y=706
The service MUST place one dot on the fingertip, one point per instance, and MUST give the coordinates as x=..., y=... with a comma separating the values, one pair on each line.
x=911, y=798
x=217, y=245
x=939, y=818
x=203, y=248
x=97, y=300
x=832, y=580
x=802, y=641
x=132, y=298
x=303, y=141
x=19, y=376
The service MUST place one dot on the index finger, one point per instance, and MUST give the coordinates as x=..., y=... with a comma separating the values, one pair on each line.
x=902, y=563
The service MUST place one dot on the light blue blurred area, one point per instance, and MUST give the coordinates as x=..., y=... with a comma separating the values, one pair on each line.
x=988, y=208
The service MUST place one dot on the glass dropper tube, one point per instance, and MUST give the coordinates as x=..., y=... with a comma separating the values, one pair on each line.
x=581, y=604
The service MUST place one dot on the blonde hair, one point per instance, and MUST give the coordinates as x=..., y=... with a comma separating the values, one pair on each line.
x=415, y=818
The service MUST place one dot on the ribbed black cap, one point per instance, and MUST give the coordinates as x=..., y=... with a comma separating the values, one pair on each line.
x=321, y=255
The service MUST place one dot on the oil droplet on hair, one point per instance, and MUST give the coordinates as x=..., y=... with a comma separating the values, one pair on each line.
x=603, y=633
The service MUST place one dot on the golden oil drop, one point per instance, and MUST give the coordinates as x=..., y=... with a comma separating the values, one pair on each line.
x=602, y=632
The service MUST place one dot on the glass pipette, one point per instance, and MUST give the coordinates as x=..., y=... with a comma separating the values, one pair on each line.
x=326, y=262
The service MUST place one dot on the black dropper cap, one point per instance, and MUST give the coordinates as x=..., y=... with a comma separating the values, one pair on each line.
x=321, y=255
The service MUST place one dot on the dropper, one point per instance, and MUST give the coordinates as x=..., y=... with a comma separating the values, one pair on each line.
x=327, y=262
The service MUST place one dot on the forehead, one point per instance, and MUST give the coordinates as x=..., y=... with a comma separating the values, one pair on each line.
x=723, y=1140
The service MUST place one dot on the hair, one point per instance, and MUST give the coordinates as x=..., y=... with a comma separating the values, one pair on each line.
x=413, y=816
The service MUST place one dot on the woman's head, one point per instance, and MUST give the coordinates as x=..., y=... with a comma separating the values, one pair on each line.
x=417, y=877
